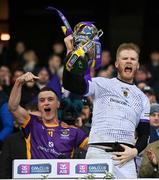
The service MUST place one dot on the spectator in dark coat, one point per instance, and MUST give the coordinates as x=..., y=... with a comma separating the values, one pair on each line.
x=13, y=148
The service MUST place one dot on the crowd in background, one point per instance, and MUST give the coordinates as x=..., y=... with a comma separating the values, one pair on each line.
x=50, y=70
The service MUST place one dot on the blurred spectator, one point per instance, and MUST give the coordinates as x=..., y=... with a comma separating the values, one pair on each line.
x=16, y=57
x=54, y=63
x=150, y=161
x=153, y=67
x=58, y=47
x=5, y=78
x=141, y=85
x=29, y=93
x=20, y=49
x=105, y=69
x=73, y=103
x=142, y=74
x=44, y=77
x=149, y=92
x=86, y=114
x=5, y=75
x=3, y=54
x=55, y=84
x=84, y=122
x=65, y=93
x=17, y=73
x=154, y=122
x=30, y=61
x=70, y=114
x=6, y=118
x=106, y=58
x=107, y=72
x=13, y=148
x=154, y=58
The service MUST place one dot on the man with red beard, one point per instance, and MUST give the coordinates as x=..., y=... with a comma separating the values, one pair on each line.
x=46, y=137
x=120, y=110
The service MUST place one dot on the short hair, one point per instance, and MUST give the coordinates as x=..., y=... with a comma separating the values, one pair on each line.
x=154, y=108
x=127, y=46
x=48, y=89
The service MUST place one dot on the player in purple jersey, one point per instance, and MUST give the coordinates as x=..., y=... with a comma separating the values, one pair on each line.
x=46, y=137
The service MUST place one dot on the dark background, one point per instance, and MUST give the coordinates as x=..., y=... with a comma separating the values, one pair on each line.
x=122, y=21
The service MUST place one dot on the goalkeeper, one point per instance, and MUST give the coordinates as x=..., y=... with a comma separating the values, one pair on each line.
x=120, y=109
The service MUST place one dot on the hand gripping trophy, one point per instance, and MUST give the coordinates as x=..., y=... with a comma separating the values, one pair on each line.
x=86, y=52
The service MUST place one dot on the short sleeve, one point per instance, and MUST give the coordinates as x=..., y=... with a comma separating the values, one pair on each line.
x=26, y=127
x=81, y=139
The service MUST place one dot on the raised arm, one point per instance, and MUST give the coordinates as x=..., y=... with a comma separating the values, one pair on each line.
x=74, y=82
x=83, y=52
x=14, y=101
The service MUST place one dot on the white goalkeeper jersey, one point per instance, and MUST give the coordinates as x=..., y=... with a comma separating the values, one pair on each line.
x=118, y=107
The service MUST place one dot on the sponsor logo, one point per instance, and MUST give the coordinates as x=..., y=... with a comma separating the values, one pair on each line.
x=125, y=93
x=118, y=101
x=65, y=132
x=91, y=168
x=81, y=168
x=34, y=168
x=50, y=144
x=73, y=60
x=98, y=168
x=63, y=168
x=24, y=169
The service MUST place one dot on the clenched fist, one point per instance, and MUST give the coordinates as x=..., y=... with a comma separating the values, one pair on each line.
x=27, y=77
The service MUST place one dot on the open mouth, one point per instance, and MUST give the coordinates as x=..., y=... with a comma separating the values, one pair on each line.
x=128, y=69
x=47, y=109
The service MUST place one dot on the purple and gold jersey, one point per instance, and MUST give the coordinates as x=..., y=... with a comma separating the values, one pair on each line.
x=53, y=142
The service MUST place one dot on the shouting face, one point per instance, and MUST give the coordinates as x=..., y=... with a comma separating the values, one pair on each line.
x=48, y=105
x=127, y=65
